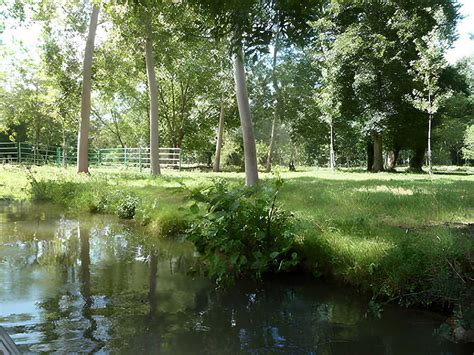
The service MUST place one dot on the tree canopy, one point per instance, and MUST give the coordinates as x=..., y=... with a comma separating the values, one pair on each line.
x=349, y=76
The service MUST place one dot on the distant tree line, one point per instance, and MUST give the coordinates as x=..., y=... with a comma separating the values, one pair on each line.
x=244, y=84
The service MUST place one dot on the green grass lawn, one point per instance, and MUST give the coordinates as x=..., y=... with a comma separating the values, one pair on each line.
x=404, y=236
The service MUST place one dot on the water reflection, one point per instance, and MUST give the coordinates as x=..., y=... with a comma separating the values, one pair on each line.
x=91, y=284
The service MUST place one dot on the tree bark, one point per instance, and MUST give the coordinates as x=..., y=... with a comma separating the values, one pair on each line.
x=332, y=158
x=153, y=95
x=370, y=155
x=250, y=150
x=220, y=135
x=378, y=157
x=392, y=159
x=430, y=118
x=83, y=138
x=416, y=161
x=430, y=162
x=271, y=147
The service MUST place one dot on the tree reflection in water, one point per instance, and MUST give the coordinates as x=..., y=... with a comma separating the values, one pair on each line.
x=86, y=292
x=132, y=293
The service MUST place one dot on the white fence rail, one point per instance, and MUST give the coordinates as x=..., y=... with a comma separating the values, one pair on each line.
x=139, y=157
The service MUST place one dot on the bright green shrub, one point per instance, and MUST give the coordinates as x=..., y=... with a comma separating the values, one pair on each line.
x=244, y=232
x=127, y=205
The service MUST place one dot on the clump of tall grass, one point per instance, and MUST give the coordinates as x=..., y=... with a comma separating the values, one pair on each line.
x=84, y=194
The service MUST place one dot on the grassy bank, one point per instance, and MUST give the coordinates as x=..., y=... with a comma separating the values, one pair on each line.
x=402, y=236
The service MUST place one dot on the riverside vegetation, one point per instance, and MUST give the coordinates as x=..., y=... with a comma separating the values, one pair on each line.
x=403, y=238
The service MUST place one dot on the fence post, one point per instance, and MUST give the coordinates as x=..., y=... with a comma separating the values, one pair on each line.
x=179, y=152
x=99, y=157
x=140, y=158
x=58, y=156
x=19, y=152
x=125, y=158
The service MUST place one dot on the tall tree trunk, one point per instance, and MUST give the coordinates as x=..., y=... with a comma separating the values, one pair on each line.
x=378, y=156
x=430, y=118
x=83, y=139
x=430, y=162
x=332, y=158
x=416, y=161
x=392, y=159
x=271, y=147
x=370, y=154
x=220, y=135
x=250, y=150
x=153, y=93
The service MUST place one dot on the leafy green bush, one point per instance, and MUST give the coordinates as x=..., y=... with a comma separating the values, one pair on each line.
x=468, y=149
x=50, y=190
x=38, y=189
x=232, y=152
x=169, y=224
x=244, y=232
x=262, y=153
x=89, y=195
x=127, y=206
x=81, y=195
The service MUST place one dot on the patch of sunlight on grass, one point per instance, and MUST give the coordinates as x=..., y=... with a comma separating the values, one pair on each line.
x=385, y=188
x=356, y=249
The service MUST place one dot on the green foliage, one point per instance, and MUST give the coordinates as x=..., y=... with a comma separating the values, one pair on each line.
x=402, y=237
x=262, y=153
x=232, y=151
x=46, y=190
x=127, y=206
x=244, y=232
x=468, y=149
x=92, y=196
x=169, y=223
x=427, y=70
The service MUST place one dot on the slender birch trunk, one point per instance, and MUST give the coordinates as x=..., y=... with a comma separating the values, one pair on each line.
x=83, y=138
x=430, y=162
x=332, y=158
x=378, y=157
x=250, y=150
x=220, y=135
x=430, y=118
x=153, y=94
x=271, y=147
x=392, y=159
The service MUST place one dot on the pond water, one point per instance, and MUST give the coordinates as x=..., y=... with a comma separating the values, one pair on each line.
x=90, y=283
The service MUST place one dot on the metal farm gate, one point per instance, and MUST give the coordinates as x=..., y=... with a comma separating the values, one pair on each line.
x=24, y=153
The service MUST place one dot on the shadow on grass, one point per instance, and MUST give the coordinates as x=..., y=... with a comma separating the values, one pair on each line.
x=453, y=173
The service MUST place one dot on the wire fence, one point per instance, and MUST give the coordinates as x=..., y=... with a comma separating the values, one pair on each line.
x=28, y=154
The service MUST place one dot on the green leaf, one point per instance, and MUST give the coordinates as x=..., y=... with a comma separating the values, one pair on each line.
x=194, y=208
